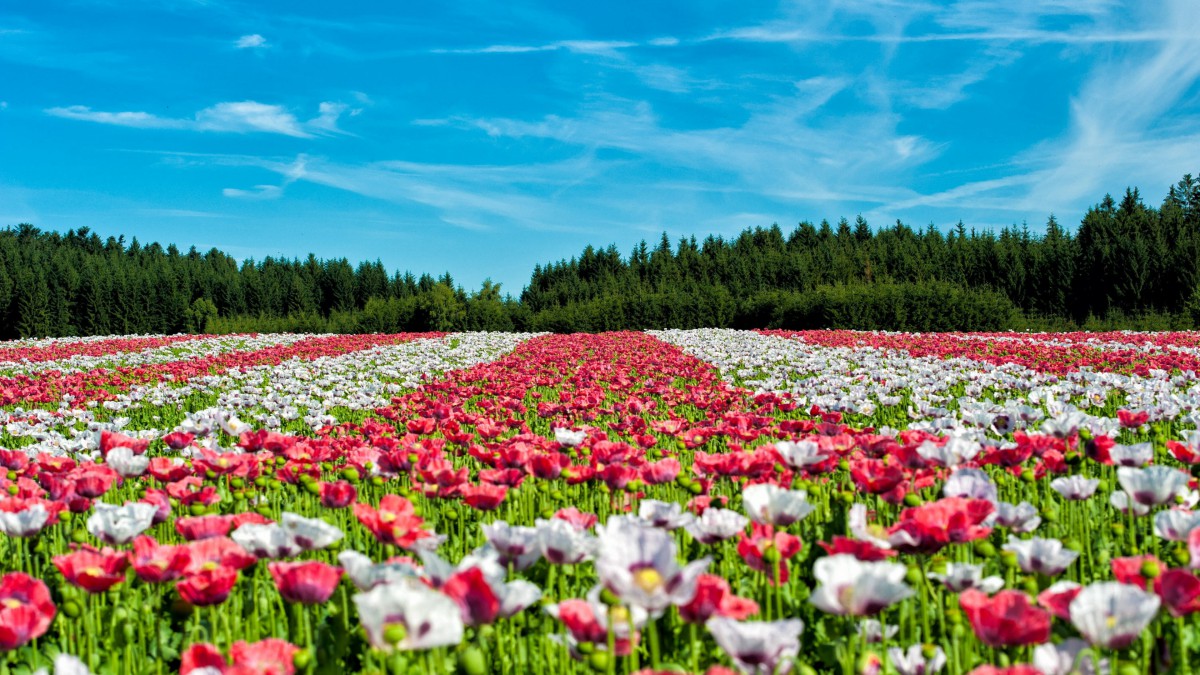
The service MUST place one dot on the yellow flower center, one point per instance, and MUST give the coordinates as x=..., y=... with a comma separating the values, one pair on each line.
x=648, y=579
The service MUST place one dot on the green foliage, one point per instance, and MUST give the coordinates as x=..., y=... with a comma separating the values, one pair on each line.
x=1127, y=265
x=200, y=314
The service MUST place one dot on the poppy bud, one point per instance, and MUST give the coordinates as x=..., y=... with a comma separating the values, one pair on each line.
x=377, y=481
x=1151, y=569
x=351, y=474
x=473, y=662
x=237, y=483
x=771, y=555
x=609, y=598
x=1028, y=476
x=13, y=489
x=1008, y=559
x=913, y=499
x=302, y=659
x=585, y=648
x=79, y=536
x=985, y=548
x=71, y=609
x=1117, y=528
x=913, y=576
x=695, y=488
x=1181, y=555
x=66, y=516
x=598, y=661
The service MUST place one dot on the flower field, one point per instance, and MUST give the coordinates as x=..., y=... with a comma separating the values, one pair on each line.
x=707, y=501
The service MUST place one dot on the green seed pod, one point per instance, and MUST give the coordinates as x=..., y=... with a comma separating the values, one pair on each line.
x=1117, y=529
x=913, y=499
x=806, y=669
x=66, y=516
x=1008, y=559
x=1030, y=585
x=312, y=487
x=351, y=474
x=609, y=598
x=473, y=662
x=1028, y=476
x=302, y=659
x=196, y=509
x=79, y=536
x=1181, y=555
x=913, y=575
x=985, y=548
x=598, y=661
x=1151, y=569
x=695, y=488
x=261, y=482
x=71, y=609
x=237, y=483
x=394, y=633
x=377, y=481
x=1129, y=669
x=127, y=631
x=771, y=555
x=13, y=489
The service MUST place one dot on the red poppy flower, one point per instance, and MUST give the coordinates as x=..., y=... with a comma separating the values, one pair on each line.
x=1128, y=570
x=210, y=586
x=338, y=494
x=715, y=598
x=155, y=563
x=875, y=476
x=1179, y=590
x=1006, y=619
x=950, y=520
x=271, y=656
x=1057, y=599
x=25, y=609
x=1132, y=420
x=393, y=522
x=168, y=470
x=484, y=497
x=311, y=582
x=475, y=596
x=178, y=440
x=112, y=439
x=861, y=549
x=203, y=527
x=764, y=546
x=579, y=519
x=218, y=552
x=93, y=570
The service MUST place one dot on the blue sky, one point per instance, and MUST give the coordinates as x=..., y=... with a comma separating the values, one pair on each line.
x=484, y=137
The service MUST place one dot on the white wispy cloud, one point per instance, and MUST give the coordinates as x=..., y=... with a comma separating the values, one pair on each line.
x=602, y=47
x=251, y=41
x=230, y=116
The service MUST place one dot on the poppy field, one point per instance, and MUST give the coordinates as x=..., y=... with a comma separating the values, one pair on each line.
x=703, y=501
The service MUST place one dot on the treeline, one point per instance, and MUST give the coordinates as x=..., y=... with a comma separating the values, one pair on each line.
x=1127, y=265
x=76, y=283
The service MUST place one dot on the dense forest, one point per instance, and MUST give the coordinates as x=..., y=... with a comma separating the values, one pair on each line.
x=1126, y=265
